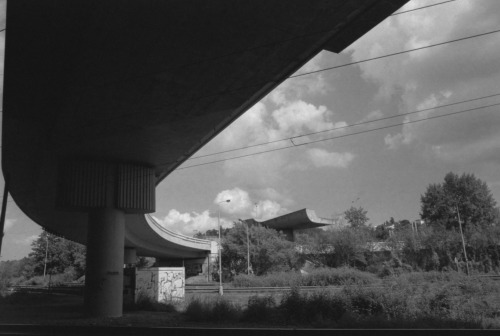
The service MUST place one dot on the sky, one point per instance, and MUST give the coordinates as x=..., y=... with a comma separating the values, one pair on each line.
x=384, y=171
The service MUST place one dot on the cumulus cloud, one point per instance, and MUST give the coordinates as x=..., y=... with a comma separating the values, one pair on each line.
x=26, y=240
x=438, y=75
x=285, y=113
x=239, y=201
x=267, y=209
x=322, y=158
x=274, y=195
x=188, y=223
x=267, y=203
x=9, y=223
x=263, y=125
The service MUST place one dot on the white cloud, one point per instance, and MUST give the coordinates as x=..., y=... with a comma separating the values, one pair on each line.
x=323, y=158
x=274, y=195
x=373, y=115
x=267, y=209
x=9, y=223
x=239, y=201
x=26, y=240
x=300, y=117
x=240, y=206
x=189, y=223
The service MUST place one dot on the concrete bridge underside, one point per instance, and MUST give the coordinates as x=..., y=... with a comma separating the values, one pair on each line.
x=104, y=99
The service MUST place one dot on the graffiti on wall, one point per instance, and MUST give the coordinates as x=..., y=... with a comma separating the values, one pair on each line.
x=161, y=284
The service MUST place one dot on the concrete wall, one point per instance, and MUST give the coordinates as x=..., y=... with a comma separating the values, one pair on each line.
x=160, y=283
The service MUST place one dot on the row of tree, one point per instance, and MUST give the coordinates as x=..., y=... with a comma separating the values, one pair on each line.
x=50, y=255
x=460, y=202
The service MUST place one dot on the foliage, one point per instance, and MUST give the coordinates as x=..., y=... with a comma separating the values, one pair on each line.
x=414, y=300
x=317, y=277
x=63, y=256
x=467, y=194
x=260, y=309
x=219, y=310
x=144, y=262
x=342, y=247
x=147, y=303
x=433, y=248
x=338, y=277
x=269, y=250
x=14, y=271
x=356, y=217
x=349, y=246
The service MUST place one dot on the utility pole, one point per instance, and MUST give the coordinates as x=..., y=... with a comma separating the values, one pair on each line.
x=4, y=210
x=46, y=254
x=248, y=247
x=463, y=241
x=248, y=253
x=221, y=289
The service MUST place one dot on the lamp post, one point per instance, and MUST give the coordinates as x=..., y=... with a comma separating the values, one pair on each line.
x=221, y=289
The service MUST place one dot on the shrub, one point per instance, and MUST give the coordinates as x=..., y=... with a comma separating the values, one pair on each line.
x=218, y=310
x=225, y=311
x=278, y=279
x=338, y=277
x=260, y=309
x=317, y=277
x=293, y=306
x=147, y=303
x=196, y=311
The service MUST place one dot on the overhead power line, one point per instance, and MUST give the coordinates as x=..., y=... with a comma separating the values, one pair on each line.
x=423, y=7
x=342, y=127
x=396, y=53
x=340, y=136
x=236, y=90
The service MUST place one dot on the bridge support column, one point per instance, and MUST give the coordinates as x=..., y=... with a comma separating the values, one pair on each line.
x=107, y=192
x=104, y=274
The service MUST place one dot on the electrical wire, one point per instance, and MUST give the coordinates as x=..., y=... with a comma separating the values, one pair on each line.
x=396, y=53
x=339, y=136
x=419, y=8
x=342, y=127
x=235, y=91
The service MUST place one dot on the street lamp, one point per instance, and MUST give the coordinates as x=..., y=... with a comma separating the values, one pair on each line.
x=221, y=290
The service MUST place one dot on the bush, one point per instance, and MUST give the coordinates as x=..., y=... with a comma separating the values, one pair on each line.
x=338, y=277
x=219, y=310
x=411, y=300
x=278, y=279
x=147, y=303
x=318, y=277
x=260, y=309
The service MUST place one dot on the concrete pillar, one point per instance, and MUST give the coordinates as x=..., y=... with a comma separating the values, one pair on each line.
x=104, y=274
x=106, y=191
x=130, y=257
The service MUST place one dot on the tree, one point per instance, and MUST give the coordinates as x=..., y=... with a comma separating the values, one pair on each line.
x=63, y=256
x=467, y=194
x=269, y=250
x=356, y=217
x=349, y=245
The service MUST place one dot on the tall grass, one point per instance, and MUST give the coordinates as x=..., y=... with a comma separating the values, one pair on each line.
x=317, y=277
x=432, y=300
x=218, y=310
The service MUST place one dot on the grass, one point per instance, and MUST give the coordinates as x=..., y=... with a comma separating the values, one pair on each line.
x=318, y=277
x=215, y=311
x=146, y=303
x=414, y=300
